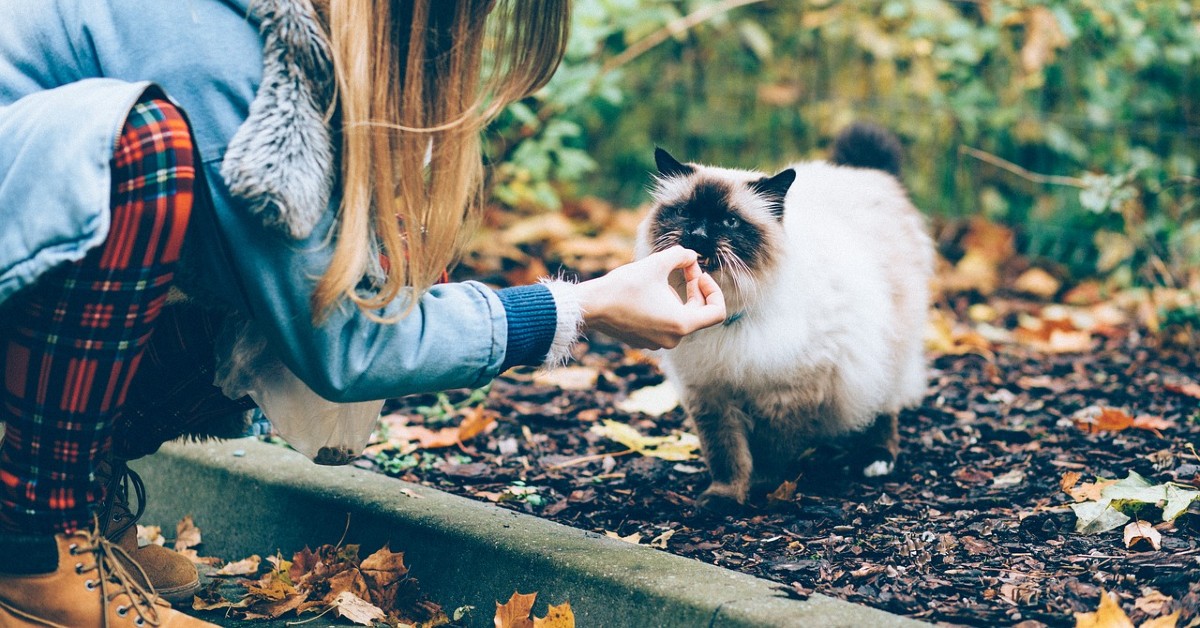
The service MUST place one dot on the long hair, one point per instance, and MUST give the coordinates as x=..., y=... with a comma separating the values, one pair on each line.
x=417, y=82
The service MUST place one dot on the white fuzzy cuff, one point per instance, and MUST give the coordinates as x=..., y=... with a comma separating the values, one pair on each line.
x=570, y=321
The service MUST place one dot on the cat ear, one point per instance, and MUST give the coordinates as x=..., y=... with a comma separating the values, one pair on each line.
x=775, y=189
x=668, y=166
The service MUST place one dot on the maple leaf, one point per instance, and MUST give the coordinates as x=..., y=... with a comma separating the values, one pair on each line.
x=660, y=541
x=1068, y=481
x=150, y=535
x=560, y=616
x=569, y=378
x=784, y=493
x=186, y=534
x=515, y=612
x=633, y=539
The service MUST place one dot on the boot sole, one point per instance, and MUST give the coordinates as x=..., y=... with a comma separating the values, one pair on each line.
x=179, y=595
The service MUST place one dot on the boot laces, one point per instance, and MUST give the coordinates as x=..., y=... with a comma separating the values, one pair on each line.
x=115, y=580
x=115, y=516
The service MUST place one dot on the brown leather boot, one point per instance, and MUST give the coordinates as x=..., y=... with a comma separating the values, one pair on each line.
x=76, y=580
x=172, y=575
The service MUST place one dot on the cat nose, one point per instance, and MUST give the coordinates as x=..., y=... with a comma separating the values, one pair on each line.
x=699, y=231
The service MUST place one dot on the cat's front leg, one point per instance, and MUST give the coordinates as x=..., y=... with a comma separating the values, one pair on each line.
x=723, y=440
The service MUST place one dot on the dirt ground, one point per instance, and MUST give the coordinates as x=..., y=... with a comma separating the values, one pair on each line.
x=973, y=527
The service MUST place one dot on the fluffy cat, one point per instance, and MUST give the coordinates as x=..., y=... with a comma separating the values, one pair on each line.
x=825, y=268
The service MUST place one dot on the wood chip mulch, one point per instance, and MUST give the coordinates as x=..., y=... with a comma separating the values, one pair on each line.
x=972, y=528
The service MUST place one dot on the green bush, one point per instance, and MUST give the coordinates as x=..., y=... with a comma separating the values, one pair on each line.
x=1086, y=113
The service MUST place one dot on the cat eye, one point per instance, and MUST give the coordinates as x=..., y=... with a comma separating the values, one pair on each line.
x=731, y=222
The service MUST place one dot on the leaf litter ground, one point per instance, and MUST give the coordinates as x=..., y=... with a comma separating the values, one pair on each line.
x=973, y=527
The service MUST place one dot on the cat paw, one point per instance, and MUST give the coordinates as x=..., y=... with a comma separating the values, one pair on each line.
x=719, y=502
x=878, y=469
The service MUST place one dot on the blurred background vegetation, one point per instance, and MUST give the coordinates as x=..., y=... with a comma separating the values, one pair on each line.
x=1075, y=123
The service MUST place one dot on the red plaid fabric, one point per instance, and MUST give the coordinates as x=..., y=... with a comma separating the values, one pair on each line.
x=71, y=343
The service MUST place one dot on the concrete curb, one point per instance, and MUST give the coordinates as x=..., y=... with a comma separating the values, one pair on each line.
x=249, y=497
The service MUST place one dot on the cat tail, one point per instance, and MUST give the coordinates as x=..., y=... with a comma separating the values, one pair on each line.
x=867, y=145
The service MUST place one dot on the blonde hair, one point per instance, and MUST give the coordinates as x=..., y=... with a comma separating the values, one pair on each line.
x=417, y=81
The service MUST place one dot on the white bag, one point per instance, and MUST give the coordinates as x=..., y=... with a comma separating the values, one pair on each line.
x=327, y=432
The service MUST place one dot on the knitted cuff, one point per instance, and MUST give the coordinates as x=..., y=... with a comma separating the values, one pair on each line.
x=532, y=323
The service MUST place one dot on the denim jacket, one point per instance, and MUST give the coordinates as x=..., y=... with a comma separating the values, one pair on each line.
x=70, y=70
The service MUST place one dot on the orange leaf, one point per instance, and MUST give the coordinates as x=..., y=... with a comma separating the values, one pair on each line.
x=474, y=424
x=1152, y=424
x=1096, y=419
x=515, y=612
x=1068, y=481
x=1108, y=615
x=558, y=617
x=243, y=567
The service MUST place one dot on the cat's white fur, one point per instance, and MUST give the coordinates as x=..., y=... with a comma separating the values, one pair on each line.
x=832, y=333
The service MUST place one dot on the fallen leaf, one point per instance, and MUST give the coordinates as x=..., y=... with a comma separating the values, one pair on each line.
x=1037, y=282
x=1089, y=490
x=1108, y=615
x=785, y=492
x=1152, y=603
x=243, y=567
x=569, y=377
x=1105, y=512
x=560, y=616
x=1009, y=479
x=651, y=400
x=1165, y=621
x=660, y=541
x=191, y=555
x=150, y=535
x=475, y=422
x=515, y=612
x=633, y=539
x=1068, y=481
x=677, y=447
x=1095, y=419
x=1188, y=388
x=357, y=610
x=1141, y=531
x=1151, y=423
x=186, y=534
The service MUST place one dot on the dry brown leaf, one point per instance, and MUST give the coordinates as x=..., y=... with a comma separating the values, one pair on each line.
x=357, y=610
x=1139, y=531
x=569, y=378
x=516, y=611
x=993, y=241
x=1191, y=389
x=1165, y=621
x=634, y=539
x=1151, y=423
x=1069, y=480
x=785, y=492
x=243, y=567
x=475, y=423
x=1152, y=603
x=384, y=567
x=1037, y=282
x=1107, y=615
x=660, y=541
x=186, y=534
x=1089, y=491
x=1096, y=419
x=559, y=616
x=150, y=535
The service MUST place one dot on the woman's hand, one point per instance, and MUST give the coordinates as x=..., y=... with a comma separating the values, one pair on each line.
x=636, y=303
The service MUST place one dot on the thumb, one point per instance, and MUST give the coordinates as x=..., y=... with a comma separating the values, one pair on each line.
x=678, y=257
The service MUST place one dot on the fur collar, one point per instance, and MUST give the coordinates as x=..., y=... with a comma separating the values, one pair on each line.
x=281, y=162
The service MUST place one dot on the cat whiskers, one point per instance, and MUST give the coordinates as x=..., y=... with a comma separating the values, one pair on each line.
x=666, y=240
x=739, y=273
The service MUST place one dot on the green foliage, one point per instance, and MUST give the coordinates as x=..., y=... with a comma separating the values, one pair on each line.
x=1102, y=96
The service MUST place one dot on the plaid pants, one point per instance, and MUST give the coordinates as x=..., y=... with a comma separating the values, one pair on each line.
x=71, y=344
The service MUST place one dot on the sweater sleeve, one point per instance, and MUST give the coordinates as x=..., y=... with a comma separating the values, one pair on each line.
x=543, y=323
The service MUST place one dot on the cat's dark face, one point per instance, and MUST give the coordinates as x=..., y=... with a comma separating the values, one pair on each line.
x=731, y=220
